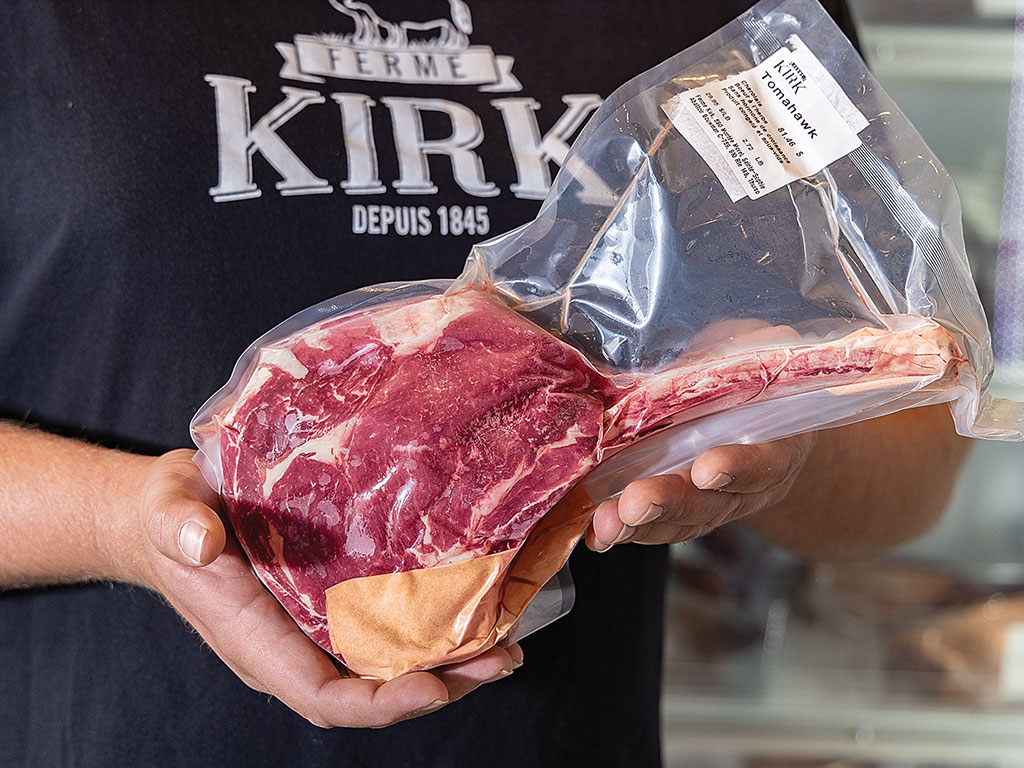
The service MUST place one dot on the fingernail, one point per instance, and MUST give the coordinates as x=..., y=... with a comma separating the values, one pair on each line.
x=653, y=513
x=625, y=533
x=720, y=480
x=431, y=707
x=191, y=537
x=499, y=676
x=515, y=654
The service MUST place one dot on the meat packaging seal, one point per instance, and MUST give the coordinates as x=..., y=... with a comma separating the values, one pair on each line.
x=746, y=242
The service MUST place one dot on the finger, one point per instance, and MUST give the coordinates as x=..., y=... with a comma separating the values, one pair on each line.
x=370, y=704
x=465, y=677
x=657, y=533
x=664, y=509
x=300, y=674
x=761, y=468
x=264, y=646
x=516, y=652
x=607, y=527
x=671, y=532
x=751, y=476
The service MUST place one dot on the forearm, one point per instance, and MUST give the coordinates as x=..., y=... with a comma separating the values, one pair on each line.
x=63, y=508
x=73, y=512
x=868, y=487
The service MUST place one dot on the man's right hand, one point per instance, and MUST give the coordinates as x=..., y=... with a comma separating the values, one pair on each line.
x=183, y=551
x=74, y=512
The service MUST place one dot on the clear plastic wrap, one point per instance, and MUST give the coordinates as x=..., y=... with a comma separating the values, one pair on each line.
x=746, y=242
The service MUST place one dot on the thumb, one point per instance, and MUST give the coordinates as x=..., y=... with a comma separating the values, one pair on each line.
x=182, y=524
x=189, y=533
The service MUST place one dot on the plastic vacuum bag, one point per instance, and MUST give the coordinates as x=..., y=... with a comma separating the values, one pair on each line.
x=746, y=242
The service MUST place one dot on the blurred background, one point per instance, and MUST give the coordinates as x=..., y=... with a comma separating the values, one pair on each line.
x=917, y=660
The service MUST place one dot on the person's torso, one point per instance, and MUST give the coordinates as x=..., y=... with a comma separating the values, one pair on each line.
x=180, y=177
x=176, y=178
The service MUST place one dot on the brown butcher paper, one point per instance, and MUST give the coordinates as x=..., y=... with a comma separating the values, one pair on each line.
x=386, y=625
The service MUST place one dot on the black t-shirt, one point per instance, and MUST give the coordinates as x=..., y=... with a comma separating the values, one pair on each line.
x=177, y=177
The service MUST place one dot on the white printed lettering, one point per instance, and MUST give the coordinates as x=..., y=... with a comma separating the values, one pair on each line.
x=238, y=140
x=359, y=220
x=455, y=67
x=423, y=216
x=391, y=219
x=357, y=130
x=533, y=153
x=427, y=52
x=426, y=65
x=413, y=148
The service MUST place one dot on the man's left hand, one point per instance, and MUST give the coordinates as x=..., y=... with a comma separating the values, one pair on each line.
x=724, y=484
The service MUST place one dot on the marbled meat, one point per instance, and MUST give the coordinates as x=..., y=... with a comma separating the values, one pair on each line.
x=444, y=428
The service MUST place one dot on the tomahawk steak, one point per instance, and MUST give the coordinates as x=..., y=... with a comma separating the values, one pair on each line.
x=443, y=428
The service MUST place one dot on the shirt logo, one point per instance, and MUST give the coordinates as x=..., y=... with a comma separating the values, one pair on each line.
x=435, y=51
x=325, y=71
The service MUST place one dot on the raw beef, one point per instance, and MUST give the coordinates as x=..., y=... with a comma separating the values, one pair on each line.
x=685, y=393
x=444, y=428
x=403, y=438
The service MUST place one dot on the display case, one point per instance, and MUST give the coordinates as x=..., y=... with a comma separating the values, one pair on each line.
x=910, y=661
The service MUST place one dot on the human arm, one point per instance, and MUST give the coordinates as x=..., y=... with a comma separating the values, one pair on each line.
x=845, y=493
x=72, y=512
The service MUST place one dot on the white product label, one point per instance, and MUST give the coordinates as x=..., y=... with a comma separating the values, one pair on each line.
x=783, y=120
x=1011, y=670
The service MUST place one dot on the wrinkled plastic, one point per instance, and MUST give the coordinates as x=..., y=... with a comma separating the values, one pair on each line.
x=641, y=259
x=638, y=249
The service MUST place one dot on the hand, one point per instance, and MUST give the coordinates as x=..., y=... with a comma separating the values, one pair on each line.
x=177, y=545
x=724, y=484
